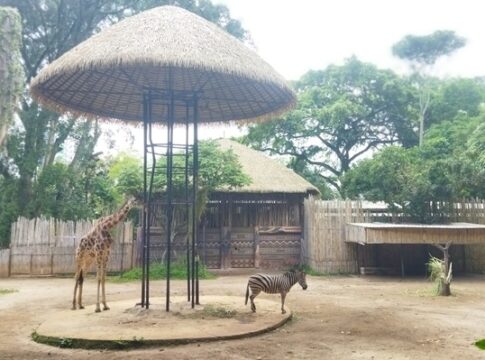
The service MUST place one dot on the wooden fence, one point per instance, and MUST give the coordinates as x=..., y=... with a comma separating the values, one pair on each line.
x=47, y=246
x=325, y=249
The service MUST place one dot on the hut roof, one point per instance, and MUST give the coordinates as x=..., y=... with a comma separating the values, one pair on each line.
x=384, y=233
x=267, y=175
x=167, y=50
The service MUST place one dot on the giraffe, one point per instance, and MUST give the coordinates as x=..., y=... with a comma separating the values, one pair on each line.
x=95, y=246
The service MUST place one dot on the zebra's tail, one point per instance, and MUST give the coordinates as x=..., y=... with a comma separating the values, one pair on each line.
x=247, y=294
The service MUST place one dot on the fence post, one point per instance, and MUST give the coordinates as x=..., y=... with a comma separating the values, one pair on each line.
x=52, y=263
x=9, y=271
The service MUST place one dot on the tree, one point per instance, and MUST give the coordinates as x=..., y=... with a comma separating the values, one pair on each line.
x=441, y=270
x=11, y=74
x=218, y=169
x=343, y=113
x=450, y=166
x=455, y=97
x=422, y=52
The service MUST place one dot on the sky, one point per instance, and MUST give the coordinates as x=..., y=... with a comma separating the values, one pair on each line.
x=295, y=36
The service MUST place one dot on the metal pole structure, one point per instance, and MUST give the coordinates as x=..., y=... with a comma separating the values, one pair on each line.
x=170, y=123
x=149, y=198
x=170, y=99
x=194, y=194
x=187, y=206
x=145, y=210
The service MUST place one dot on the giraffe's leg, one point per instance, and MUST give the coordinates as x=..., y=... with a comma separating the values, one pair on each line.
x=103, y=280
x=99, y=269
x=76, y=279
x=254, y=293
x=80, y=290
x=283, y=296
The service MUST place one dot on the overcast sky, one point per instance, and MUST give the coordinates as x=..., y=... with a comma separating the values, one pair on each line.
x=295, y=36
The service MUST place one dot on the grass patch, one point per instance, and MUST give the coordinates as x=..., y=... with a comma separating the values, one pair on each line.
x=480, y=344
x=7, y=291
x=219, y=312
x=312, y=272
x=178, y=270
x=89, y=344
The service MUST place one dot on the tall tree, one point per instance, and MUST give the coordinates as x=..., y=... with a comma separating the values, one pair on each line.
x=11, y=73
x=449, y=166
x=455, y=97
x=343, y=112
x=422, y=52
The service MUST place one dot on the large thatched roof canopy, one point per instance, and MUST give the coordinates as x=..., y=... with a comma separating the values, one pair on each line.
x=162, y=48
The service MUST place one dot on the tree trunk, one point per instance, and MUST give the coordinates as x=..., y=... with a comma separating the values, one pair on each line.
x=11, y=74
x=446, y=276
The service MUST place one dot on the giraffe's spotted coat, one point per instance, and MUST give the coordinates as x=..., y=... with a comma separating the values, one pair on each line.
x=95, y=247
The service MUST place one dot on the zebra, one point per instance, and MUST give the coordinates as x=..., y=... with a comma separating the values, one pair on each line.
x=273, y=284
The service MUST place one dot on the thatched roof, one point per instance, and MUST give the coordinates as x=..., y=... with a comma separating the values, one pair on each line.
x=267, y=175
x=165, y=47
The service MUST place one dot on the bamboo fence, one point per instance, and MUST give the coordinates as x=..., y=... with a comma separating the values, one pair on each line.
x=325, y=248
x=47, y=246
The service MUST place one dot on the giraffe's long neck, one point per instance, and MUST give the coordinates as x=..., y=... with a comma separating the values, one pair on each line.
x=117, y=217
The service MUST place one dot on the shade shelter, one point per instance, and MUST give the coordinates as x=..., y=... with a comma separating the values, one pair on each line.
x=375, y=238
x=164, y=66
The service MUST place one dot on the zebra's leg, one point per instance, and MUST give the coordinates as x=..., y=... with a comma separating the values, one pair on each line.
x=283, y=296
x=254, y=293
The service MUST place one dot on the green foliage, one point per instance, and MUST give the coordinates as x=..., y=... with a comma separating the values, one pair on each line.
x=404, y=179
x=457, y=97
x=450, y=166
x=435, y=268
x=217, y=169
x=7, y=291
x=343, y=112
x=435, y=271
x=126, y=173
x=178, y=270
x=427, y=49
x=480, y=344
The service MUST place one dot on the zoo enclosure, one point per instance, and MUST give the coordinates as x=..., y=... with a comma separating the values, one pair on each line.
x=326, y=249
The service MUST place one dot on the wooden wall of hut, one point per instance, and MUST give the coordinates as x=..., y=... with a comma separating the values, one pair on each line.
x=237, y=231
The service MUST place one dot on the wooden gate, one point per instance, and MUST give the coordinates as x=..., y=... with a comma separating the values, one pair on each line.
x=242, y=247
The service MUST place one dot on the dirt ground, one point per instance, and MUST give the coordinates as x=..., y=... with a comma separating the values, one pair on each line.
x=338, y=317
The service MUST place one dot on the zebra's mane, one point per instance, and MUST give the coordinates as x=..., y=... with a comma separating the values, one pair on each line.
x=290, y=272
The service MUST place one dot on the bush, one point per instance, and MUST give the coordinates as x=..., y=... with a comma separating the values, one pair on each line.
x=178, y=270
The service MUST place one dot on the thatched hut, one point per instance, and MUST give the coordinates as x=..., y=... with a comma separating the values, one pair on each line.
x=257, y=225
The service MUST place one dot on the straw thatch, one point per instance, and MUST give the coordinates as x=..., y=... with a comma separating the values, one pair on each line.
x=162, y=48
x=267, y=175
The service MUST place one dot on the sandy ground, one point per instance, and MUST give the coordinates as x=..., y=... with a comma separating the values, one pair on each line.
x=336, y=318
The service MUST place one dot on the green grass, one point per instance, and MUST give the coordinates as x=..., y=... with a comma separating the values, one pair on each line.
x=312, y=272
x=7, y=291
x=480, y=344
x=219, y=312
x=178, y=270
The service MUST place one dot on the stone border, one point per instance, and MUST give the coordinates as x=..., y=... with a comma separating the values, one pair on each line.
x=45, y=337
